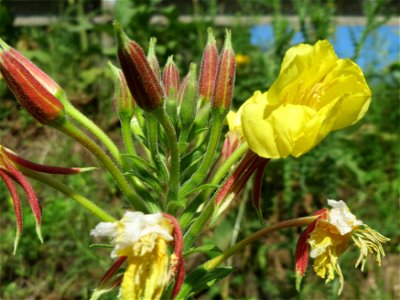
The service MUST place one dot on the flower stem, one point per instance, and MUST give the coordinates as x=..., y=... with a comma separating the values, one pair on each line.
x=72, y=131
x=189, y=212
x=170, y=133
x=217, y=120
x=229, y=162
x=66, y=190
x=127, y=136
x=152, y=138
x=213, y=263
x=94, y=129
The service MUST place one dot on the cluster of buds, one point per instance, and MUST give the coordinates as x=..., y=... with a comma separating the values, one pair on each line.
x=216, y=80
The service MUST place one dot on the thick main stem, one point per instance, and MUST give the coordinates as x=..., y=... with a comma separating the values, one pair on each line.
x=66, y=190
x=115, y=172
x=213, y=263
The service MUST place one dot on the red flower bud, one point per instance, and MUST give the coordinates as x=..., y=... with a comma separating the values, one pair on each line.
x=152, y=58
x=34, y=89
x=225, y=81
x=142, y=82
x=124, y=103
x=208, y=69
x=171, y=77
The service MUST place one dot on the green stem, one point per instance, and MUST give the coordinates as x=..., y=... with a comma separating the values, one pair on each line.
x=94, y=129
x=229, y=162
x=152, y=138
x=198, y=225
x=172, y=140
x=217, y=121
x=89, y=144
x=213, y=263
x=183, y=135
x=66, y=190
x=127, y=136
x=189, y=212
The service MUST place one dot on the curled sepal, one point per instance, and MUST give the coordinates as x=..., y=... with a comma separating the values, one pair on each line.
x=225, y=79
x=208, y=69
x=177, y=264
x=17, y=206
x=17, y=176
x=140, y=77
x=301, y=254
x=34, y=89
x=106, y=284
x=43, y=168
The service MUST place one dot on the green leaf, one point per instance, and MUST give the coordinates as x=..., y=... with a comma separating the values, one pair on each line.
x=201, y=279
x=210, y=249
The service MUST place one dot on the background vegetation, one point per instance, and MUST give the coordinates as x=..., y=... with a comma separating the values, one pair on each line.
x=359, y=165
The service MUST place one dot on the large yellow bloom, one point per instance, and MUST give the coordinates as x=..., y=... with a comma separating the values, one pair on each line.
x=315, y=93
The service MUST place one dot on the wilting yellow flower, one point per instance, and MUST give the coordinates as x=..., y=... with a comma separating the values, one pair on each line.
x=315, y=93
x=330, y=236
x=242, y=60
x=143, y=240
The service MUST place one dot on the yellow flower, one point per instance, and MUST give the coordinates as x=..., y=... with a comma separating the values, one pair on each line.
x=315, y=93
x=242, y=60
x=330, y=236
x=143, y=240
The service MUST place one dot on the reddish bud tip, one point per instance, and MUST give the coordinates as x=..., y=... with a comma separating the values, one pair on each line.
x=142, y=82
x=171, y=77
x=152, y=58
x=124, y=103
x=208, y=69
x=34, y=89
x=225, y=80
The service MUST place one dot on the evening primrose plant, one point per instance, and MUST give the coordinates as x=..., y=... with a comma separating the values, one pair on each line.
x=177, y=173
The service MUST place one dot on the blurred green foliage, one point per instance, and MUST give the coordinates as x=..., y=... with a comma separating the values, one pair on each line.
x=359, y=164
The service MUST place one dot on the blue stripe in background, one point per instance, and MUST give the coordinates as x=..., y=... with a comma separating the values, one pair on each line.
x=381, y=48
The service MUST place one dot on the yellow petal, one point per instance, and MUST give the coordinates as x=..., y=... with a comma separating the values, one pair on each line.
x=258, y=131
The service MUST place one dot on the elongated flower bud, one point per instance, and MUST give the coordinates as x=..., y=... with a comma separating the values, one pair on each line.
x=142, y=82
x=188, y=105
x=208, y=69
x=123, y=98
x=34, y=89
x=225, y=81
x=171, y=77
x=152, y=58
